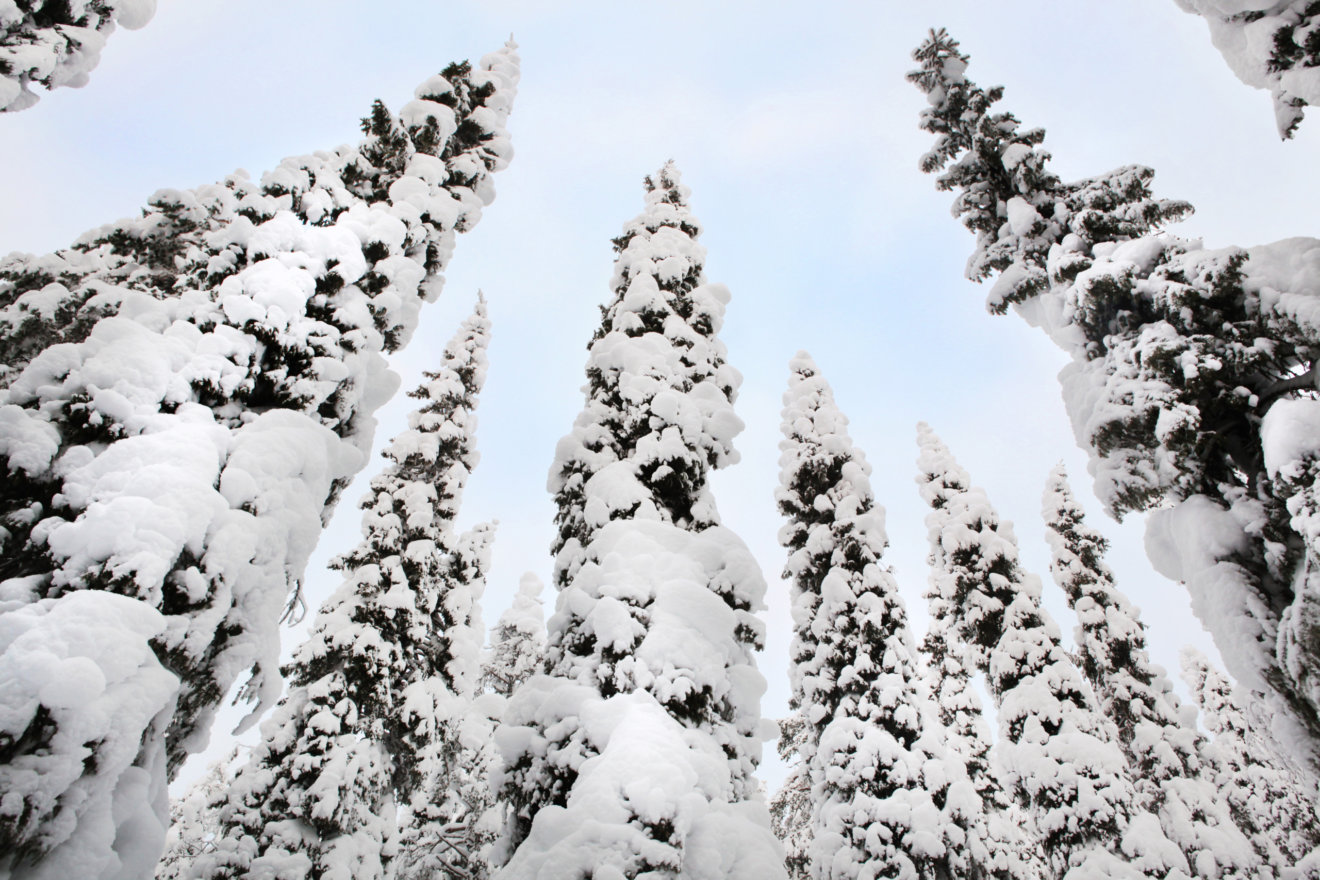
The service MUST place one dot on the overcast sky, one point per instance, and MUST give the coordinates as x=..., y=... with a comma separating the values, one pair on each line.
x=795, y=130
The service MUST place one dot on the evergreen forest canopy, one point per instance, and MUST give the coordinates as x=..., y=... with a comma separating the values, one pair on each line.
x=185, y=395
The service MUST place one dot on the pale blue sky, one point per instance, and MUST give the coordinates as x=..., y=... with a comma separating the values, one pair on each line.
x=795, y=130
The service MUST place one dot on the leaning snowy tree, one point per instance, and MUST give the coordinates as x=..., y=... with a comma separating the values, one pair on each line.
x=53, y=43
x=387, y=675
x=632, y=754
x=1161, y=746
x=856, y=684
x=1269, y=44
x=1059, y=754
x=1274, y=800
x=1192, y=382
x=169, y=458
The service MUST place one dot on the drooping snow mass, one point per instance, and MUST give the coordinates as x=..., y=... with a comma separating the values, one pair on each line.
x=1059, y=755
x=183, y=449
x=79, y=676
x=1272, y=798
x=1177, y=352
x=1269, y=44
x=1162, y=748
x=870, y=762
x=53, y=43
x=517, y=643
x=634, y=751
x=381, y=688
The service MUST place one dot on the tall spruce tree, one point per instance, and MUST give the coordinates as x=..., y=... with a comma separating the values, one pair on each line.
x=632, y=756
x=452, y=821
x=1273, y=799
x=517, y=642
x=1000, y=835
x=52, y=44
x=1177, y=354
x=1273, y=46
x=171, y=455
x=856, y=683
x=383, y=683
x=1059, y=756
x=1162, y=749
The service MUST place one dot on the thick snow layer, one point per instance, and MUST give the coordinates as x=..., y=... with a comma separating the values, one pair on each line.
x=77, y=674
x=658, y=725
x=647, y=772
x=1193, y=542
x=1290, y=434
x=195, y=429
x=1246, y=32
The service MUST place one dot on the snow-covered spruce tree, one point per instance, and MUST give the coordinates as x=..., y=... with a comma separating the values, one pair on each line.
x=1273, y=799
x=639, y=424
x=1000, y=836
x=1272, y=45
x=452, y=820
x=632, y=755
x=790, y=806
x=853, y=667
x=1006, y=847
x=1059, y=755
x=53, y=43
x=517, y=643
x=195, y=819
x=179, y=453
x=387, y=675
x=1137, y=696
x=1177, y=353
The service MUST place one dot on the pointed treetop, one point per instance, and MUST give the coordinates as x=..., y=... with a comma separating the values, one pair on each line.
x=940, y=474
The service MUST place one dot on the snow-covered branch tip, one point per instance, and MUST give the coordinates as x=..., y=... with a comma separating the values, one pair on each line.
x=53, y=44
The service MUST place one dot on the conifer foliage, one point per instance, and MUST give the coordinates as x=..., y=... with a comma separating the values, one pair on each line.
x=1059, y=758
x=1271, y=45
x=382, y=687
x=169, y=463
x=632, y=755
x=1136, y=695
x=1180, y=358
x=517, y=642
x=648, y=435
x=854, y=671
x=1273, y=799
x=53, y=43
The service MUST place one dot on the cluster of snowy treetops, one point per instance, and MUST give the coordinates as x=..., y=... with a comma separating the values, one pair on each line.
x=1268, y=44
x=185, y=394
